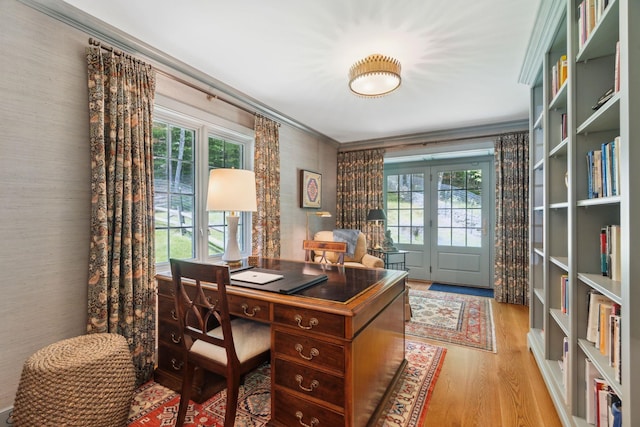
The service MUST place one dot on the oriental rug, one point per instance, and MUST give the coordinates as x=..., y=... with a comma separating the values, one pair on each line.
x=155, y=405
x=453, y=318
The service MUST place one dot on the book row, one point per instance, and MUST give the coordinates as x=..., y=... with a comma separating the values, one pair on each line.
x=603, y=330
x=604, y=408
x=603, y=171
x=558, y=75
x=589, y=13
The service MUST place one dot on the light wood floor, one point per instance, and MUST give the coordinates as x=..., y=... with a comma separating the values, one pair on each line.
x=503, y=389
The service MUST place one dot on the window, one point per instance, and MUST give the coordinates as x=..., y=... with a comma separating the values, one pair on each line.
x=184, y=150
x=460, y=208
x=405, y=208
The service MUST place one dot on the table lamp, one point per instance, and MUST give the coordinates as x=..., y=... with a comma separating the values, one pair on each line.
x=376, y=215
x=232, y=190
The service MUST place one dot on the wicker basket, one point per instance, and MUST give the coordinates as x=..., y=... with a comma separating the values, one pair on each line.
x=86, y=381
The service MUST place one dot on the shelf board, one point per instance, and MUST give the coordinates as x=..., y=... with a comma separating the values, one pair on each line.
x=603, y=37
x=560, y=100
x=560, y=261
x=602, y=365
x=612, y=289
x=539, y=293
x=606, y=117
x=561, y=319
x=560, y=150
x=559, y=205
x=539, y=165
x=538, y=123
x=581, y=422
x=612, y=200
x=539, y=252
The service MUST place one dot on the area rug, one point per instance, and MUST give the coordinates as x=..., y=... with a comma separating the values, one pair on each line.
x=453, y=318
x=465, y=290
x=155, y=405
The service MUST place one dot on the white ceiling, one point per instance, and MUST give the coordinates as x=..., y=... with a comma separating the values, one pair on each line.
x=460, y=58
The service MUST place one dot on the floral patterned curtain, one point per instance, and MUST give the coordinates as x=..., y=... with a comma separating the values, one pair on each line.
x=360, y=185
x=266, y=222
x=512, y=218
x=122, y=287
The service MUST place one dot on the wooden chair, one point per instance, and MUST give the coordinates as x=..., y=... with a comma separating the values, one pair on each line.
x=213, y=340
x=320, y=248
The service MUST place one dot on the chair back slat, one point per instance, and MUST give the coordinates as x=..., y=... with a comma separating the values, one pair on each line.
x=198, y=315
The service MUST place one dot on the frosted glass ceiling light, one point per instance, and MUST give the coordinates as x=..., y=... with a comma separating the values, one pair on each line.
x=374, y=76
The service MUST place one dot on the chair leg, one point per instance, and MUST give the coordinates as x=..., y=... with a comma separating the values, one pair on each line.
x=233, y=390
x=185, y=394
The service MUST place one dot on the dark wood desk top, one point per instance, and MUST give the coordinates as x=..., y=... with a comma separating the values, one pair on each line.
x=343, y=289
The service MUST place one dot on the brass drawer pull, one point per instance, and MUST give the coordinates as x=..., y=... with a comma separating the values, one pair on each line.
x=314, y=383
x=312, y=322
x=300, y=416
x=313, y=353
x=176, y=365
x=174, y=339
x=254, y=310
x=174, y=316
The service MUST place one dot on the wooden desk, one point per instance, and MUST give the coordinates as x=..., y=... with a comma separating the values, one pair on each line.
x=336, y=348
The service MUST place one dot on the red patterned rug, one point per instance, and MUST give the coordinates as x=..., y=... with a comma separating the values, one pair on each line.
x=155, y=405
x=453, y=318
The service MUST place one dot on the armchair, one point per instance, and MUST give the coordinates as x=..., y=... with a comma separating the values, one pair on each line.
x=360, y=257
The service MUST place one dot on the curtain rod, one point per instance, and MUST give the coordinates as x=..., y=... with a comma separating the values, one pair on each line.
x=209, y=95
x=397, y=147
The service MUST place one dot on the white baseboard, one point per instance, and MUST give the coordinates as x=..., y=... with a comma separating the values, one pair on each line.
x=4, y=417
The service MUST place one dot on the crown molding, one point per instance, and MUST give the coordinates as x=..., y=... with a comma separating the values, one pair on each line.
x=470, y=133
x=548, y=19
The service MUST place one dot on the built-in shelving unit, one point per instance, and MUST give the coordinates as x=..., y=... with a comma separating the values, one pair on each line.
x=565, y=223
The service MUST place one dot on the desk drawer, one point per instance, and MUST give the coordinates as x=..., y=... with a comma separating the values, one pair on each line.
x=303, y=379
x=309, y=320
x=292, y=411
x=248, y=307
x=165, y=287
x=310, y=351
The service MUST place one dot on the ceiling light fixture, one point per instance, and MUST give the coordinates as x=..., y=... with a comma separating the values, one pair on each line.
x=374, y=76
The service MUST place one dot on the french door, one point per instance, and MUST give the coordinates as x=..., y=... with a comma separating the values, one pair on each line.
x=442, y=213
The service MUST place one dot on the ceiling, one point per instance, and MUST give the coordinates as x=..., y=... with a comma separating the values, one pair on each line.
x=460, y=59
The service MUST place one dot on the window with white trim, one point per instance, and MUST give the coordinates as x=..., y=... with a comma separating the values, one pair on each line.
x=185, y=149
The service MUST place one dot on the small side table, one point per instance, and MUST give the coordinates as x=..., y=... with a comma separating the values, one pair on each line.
x=393, y=260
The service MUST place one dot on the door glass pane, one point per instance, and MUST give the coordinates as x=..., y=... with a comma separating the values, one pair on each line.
x=459, y=208
x=405, y=207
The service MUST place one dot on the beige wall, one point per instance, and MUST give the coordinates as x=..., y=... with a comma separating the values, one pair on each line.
x=44, y=185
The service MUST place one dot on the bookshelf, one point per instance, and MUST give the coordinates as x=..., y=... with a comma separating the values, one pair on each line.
x=565, y=219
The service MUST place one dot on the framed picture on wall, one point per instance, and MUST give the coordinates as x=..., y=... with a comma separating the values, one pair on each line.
x=311, y=189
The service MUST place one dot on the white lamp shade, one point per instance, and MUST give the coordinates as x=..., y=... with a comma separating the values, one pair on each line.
x=232, y=190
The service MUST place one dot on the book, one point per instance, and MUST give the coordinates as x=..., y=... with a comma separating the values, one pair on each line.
x=604, y=328
x=593, y=310
x=601, y=389
x=616, y=164
x=564, y=294
x=591, y=373
x=616, y=78
x=614, y=265
x=604, y=253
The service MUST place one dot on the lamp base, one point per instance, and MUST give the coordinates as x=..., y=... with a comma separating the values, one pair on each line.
x=232, y=255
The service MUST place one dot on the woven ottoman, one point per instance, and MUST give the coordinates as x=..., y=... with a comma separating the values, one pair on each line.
x=84, y=381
